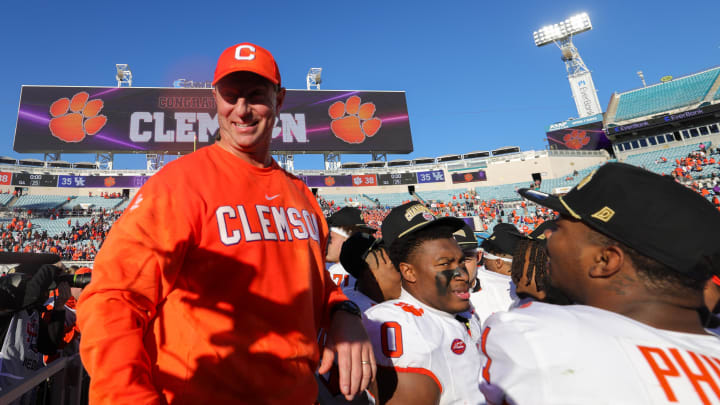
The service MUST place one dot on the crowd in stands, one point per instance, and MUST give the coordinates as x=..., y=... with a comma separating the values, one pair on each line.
x=80, y=240
x=79, y=243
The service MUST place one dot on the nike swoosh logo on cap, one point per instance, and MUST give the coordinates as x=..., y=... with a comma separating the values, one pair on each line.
x=271, y=198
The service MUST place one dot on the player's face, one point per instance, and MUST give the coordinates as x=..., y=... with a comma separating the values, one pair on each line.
x=441, y=280
x=247, y=105
x=335, y=242
x=471, y=262
x=571, y=255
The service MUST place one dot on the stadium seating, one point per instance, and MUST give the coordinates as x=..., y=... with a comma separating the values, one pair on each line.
x=5, y=199
x=56, y=227
x=649, y=160
x=95, y=202
x=388, y=200
x=40, y=202
x=505, y=192
x=665, y=96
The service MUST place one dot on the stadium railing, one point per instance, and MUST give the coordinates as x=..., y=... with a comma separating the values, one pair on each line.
x=65, y=381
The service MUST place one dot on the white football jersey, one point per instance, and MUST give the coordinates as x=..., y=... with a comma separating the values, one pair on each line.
x=413, y=337
x=340, y=276
x=497, y=293
x=549, y=354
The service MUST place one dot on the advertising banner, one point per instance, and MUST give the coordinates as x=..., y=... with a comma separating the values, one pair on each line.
x=574, y=123
x=432, y=176
x=102, y=181
x=395, y=179
x=583, y=137
x=5, y=178
x=364, y=180
x=327, y=181
x=35, y=180
x=655, y=122
x=469, y=177
x=583, y=91
x=177, y=120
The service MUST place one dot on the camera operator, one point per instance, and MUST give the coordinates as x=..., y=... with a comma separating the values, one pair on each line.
x=25, y=335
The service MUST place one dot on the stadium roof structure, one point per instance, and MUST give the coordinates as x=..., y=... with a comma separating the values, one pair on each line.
x=679, y=94
x=422, y=160
x=448, y=158
x=476, y=154
x=398, y=162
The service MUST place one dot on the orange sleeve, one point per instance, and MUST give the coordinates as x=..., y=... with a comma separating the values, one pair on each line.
x=332, y=292
x=133, y=272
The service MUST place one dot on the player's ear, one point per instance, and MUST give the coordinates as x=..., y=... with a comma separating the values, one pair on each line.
x=408, y=272
x=279, y=99
x=608, y=261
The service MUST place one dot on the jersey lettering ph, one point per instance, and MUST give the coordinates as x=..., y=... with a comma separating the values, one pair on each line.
x=413, y=337
x=497, y=293
x=548, y=354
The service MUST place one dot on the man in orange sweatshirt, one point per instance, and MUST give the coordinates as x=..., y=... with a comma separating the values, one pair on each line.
x=211, y=287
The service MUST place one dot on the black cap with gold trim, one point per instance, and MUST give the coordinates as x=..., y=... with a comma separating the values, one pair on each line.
x=349, y=217
x=539, y=232
x=504, y=239
x=465, y=237
x=652, y=214
x=412, y=217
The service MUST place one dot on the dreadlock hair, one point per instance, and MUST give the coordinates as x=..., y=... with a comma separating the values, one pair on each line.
x=537, y=263
x=403, y=248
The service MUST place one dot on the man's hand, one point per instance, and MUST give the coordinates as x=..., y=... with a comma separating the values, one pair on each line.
x=356, y=360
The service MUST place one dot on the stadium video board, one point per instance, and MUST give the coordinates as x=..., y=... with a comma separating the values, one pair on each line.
x=469, y=177
x=177, y=120
x=35, y=180
x=580, y=134
x=396, y=179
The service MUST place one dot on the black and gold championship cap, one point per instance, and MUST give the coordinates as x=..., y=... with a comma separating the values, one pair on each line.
x=539, y=232
x=465, y=237
x=412, y=217
x=349, y=216
x=504, y=239
x=652, y=214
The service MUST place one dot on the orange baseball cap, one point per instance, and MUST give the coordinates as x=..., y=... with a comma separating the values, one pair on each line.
x=247, y=57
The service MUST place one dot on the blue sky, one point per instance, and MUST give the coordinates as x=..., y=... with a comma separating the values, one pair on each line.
x=473, y=76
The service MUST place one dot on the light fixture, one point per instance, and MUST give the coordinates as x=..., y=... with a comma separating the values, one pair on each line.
x=314, y=78
x=555, y=32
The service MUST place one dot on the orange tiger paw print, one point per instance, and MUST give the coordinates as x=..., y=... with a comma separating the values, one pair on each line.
x=352, y=121
x=73, y=119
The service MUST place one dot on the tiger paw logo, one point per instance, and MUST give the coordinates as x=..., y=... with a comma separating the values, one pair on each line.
x=109, y=181
x=468, y=177
x=329, y=181
x=74, y=119
x=352, y=121
x=576, y=139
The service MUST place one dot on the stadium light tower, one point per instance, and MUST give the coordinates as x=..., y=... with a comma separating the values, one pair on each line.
x=581, y=82
x=124, y=75
x=314, y=78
